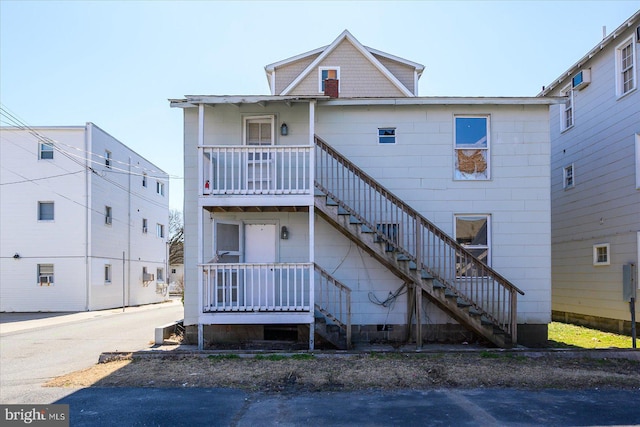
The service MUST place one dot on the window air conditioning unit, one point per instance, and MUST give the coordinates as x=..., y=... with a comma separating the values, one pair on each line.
x=147, y=277
x=581, y=80
x=46, y=280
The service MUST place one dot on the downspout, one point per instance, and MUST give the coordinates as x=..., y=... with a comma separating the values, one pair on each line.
x=87, y=209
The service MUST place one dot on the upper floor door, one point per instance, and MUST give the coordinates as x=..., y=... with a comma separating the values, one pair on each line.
x=259, y=131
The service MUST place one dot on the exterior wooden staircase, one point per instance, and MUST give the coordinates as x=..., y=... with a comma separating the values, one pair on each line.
x=429, y=261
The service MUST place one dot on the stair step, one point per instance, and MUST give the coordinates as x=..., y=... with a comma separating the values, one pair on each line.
x=342, y=211
x=354, y=220
x=462, y=303
x=331, y=202
x=366, y=229
x=474, y=312
x=485, y=321
x=436, y=284
x=412, y=266
x=318, y=192
x=426, y=275
x=402, y=257
x=450, y=294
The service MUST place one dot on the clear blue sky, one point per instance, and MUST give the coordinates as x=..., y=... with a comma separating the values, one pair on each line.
x=116, y=63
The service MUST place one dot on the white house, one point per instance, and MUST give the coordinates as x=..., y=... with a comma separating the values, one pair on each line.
x=595, y=181
x=83, y=221
x=344, y=207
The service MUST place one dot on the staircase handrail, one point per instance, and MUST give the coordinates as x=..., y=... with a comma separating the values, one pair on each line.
x=458, y=250
x=343, y=318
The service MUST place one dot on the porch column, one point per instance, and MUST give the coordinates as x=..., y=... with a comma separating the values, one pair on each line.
x=312, y=229
x=200, y=225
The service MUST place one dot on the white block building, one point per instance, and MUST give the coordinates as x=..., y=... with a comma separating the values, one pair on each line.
x=83, y=221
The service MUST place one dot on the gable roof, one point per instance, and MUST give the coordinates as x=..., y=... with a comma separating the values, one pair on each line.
x=368, y=53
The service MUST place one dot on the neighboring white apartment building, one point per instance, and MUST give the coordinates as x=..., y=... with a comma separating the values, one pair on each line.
x=344, y=207
x=595, y=181
x=83, y=221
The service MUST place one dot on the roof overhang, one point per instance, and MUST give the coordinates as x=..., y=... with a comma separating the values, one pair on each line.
x=448, y=100
x=194, y=100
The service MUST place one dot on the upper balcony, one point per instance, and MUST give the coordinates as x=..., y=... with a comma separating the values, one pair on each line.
x=255, y=170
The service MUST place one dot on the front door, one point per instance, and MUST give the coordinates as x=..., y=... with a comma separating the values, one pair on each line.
x=260, y=249
x=259, y=132
x=227, y=249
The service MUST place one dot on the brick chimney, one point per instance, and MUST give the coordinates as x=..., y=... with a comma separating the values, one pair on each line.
x=331, y=88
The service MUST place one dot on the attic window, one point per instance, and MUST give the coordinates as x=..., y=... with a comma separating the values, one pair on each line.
x=325, y=73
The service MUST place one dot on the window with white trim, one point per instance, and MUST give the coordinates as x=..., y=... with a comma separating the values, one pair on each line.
x=566, y=116
x=144, y=225
x=327, y=73
x=107, y=158
x=160, y=188
x=144, y=179
x=46, y=151
x=625, y=67
x=107, y=273
x=471, y=148
x=472, y=232
x=45, y=211
x=601, y=254
x=107, y=215
x=160, y=230
x=637, y=161
x=159, y=274
x=386, y=135
x=568, y=177
x=45, y=274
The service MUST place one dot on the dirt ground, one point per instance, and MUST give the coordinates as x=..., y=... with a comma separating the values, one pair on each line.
x=277, y=373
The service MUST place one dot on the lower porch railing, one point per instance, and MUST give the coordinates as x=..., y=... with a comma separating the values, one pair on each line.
x=278, y=287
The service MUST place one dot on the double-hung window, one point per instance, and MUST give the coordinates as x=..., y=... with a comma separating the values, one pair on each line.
x=160, y=230
x=107, y=273
x=107, y=159
x=45, y=211
x=566, y=116
x=144, y=179
x=472, y=232
x=601, y=254
x=160, y=274
x=625, y=67
x=568, y=177
x=386, y=135
x=160, y=188
x=46, y=151
x=144, y=225
x=471, y=148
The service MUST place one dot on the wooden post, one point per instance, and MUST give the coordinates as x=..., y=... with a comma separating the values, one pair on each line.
x=418, y=304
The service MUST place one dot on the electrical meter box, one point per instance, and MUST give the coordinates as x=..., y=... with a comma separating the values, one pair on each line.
x=629, y=279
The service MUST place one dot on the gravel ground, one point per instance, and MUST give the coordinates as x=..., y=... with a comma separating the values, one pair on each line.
x=384, y=371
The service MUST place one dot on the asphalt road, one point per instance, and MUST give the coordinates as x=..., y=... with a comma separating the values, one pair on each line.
x=477, y=407
x=37, y=347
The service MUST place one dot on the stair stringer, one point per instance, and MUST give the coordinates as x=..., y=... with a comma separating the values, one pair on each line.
x=402, y=269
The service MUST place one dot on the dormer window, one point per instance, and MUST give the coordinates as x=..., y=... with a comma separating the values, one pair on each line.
x=326, y=73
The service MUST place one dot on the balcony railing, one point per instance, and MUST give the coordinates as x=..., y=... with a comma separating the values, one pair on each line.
x=279, y=287
x=255, y=169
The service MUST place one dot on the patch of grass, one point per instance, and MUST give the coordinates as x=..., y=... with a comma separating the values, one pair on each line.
x=303, y=356
x=214, y=357
x=564, y=335
x=489, y=355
